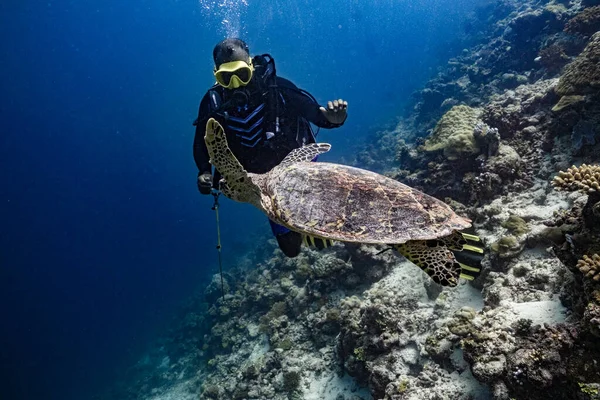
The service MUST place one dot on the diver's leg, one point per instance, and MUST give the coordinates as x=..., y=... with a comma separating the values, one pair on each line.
x=289, y=241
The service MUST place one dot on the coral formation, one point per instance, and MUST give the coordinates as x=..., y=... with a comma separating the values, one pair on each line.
x=507, y=246
x=586, y=22
x=582, y=75
x=487, y=138
x=566, y=102
x=585, y=178
x=590, y=267
x=516, y=225
x=553, y=57
x=291, y=381
x=454, y=133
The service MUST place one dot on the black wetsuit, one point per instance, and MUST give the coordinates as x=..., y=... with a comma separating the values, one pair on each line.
x=248, y=116
x=247, y=123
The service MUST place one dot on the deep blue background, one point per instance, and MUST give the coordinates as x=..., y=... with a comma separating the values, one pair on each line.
x=103, y=233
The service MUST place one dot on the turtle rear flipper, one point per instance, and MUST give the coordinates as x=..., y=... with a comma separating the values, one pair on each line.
x=433, y=257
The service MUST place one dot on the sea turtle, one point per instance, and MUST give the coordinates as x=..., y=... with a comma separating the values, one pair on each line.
x=343, y=203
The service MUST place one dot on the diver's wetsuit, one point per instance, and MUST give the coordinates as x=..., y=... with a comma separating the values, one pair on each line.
x=247, y=115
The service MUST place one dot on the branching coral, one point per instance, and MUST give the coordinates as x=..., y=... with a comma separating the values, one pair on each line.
x=585, y=178
x=590, y=267
x=586, y=22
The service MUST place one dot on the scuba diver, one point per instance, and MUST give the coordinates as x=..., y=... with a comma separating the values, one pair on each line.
x=264, y=117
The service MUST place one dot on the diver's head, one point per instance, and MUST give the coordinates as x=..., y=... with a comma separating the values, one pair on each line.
x=233, y=64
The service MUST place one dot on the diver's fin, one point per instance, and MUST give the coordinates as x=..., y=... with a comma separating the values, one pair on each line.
x=467, y=251
x=470, y=238
x=470, y=263
x=473, y=249
x=433, y=257
x=460, y=241
x=319, y=243
x=305, y=153
x=466, y=277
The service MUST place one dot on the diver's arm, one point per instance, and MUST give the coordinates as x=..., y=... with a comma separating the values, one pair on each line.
x=200, y=151
x=304, y=105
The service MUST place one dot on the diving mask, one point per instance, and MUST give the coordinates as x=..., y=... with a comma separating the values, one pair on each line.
x=234, y=74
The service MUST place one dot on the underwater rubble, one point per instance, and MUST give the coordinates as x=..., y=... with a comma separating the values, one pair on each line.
x=508, y=134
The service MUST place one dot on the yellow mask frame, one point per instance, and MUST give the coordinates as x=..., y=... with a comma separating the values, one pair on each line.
x=234, y=74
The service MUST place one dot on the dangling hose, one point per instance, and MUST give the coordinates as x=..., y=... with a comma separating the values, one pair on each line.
x=215, y=207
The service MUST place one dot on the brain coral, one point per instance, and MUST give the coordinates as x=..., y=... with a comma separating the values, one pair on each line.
x=454, y=133
x=582, y=75
x=585, y=178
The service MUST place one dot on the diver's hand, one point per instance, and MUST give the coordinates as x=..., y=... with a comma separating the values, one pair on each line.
x=336, y=111
x=205, y=182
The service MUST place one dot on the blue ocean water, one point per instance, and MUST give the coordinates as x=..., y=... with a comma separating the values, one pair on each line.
x=104, y=234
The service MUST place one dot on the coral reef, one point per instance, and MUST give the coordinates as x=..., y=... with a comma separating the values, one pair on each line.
x=487, y=134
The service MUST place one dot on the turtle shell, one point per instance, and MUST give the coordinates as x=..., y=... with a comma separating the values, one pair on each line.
x=349, y=204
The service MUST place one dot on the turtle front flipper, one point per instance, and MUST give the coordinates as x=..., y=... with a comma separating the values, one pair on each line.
x=433, y=257
x=236, y=183
x=220, y=155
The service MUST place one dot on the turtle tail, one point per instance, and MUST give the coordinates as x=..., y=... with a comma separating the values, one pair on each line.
x=317, y=242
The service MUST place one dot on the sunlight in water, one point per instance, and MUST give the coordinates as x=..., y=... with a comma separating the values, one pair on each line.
x=229, y=12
